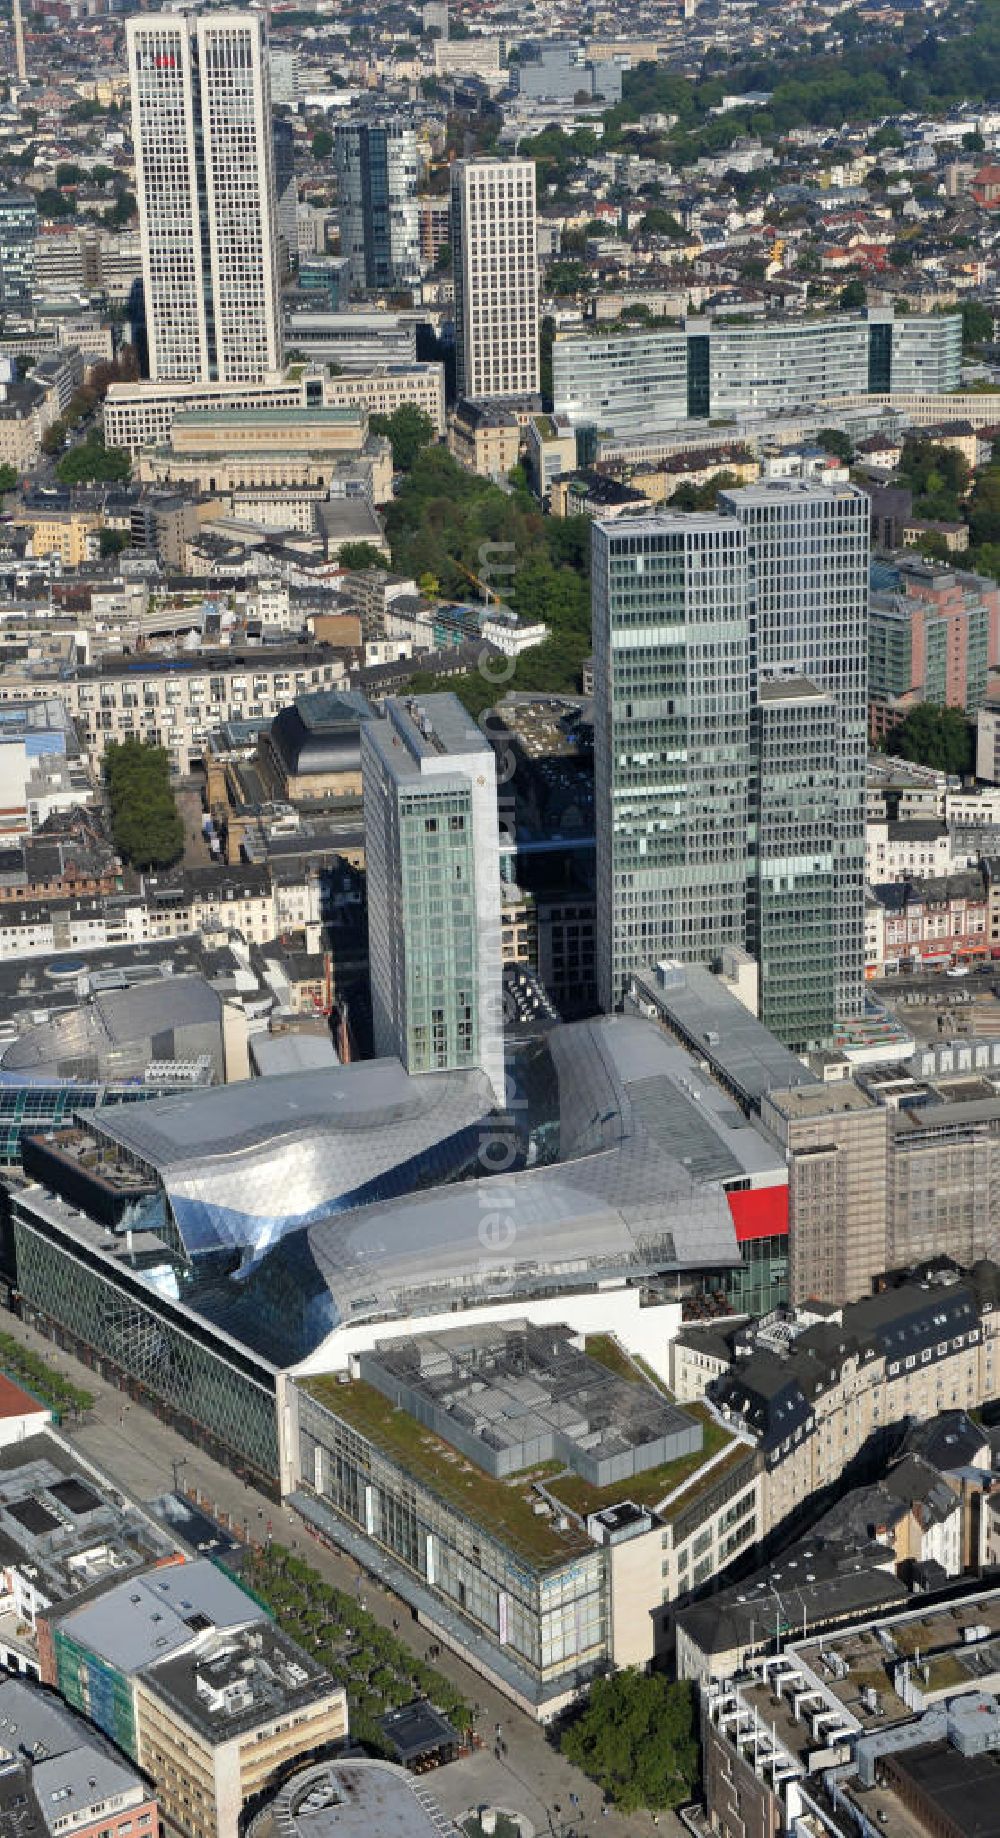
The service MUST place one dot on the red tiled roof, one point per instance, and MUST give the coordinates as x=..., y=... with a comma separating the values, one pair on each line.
x=14, y=1402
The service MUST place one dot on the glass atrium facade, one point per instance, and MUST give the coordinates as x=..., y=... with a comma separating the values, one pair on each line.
x=215, y=1392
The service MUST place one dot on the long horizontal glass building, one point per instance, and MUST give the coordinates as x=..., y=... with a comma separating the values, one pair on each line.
x=195, y=1248
x=639, y=381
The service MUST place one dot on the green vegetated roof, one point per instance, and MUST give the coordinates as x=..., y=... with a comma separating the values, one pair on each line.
x=656, y=1484
x=502, y=1508
x=506, y=1508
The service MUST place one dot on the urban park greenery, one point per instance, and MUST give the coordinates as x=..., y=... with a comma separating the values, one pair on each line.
x=145, y=822
x=932, y=735
x=377, y=1670
x=637, y=1737
x=472, y=538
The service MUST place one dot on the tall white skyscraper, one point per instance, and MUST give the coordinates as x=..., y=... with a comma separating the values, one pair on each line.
x=201, y=123
x=495, y=263
x=432, y=857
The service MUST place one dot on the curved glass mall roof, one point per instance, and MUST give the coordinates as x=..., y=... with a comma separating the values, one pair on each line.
x=243, y=1164
x=357, y=1193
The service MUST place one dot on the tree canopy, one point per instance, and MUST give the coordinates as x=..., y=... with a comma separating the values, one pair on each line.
x=938, y=477
x=409, y=428
x=932, y=735
x=357, y=556
x=835, y=441
x=93, y=460
x=453, y=527
x=911, y=68
x=145, y=822
x=637, y=1738
x=977, y=324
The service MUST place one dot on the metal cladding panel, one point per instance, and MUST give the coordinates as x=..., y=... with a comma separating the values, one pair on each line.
x=760, y=1212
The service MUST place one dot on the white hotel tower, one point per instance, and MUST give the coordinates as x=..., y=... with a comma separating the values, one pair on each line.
x=201, y=122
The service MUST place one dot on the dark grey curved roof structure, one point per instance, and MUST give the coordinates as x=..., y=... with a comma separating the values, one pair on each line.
x=321, y=732
x=119, y=1031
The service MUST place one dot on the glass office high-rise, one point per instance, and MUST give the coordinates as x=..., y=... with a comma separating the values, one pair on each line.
x=730, y=679
x=672, y=683
x=792, y=896
x=18, y=230
x=286, y=195
x=376, y=164
x=807, y=555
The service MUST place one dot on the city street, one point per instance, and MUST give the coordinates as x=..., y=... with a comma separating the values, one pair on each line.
x=143, y=1456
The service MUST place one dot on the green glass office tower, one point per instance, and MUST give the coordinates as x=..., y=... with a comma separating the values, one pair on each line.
x=807, y=559
x=672, y=680
x=433, y=867
x=730, y=681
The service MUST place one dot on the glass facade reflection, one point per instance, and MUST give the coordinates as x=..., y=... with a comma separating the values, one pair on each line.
x=220, y=1396
x=26, y=1107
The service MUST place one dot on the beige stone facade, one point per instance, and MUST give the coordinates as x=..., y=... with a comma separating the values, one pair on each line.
x=836, y=1139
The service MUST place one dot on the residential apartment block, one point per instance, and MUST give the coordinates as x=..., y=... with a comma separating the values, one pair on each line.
x=176, y=702
x=934, y=636
x=828, y=1386
x=245, y=898
x=60, y=1775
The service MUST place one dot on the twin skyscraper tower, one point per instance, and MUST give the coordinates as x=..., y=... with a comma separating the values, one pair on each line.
x=204, y=157
x=730, y=676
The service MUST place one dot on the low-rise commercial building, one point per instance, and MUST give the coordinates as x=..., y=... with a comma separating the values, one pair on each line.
x=389, y=387
x=545, y=1544
x=353, y=1799
x=834, y=1733
x=190, y=1678
x=65, y=1533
